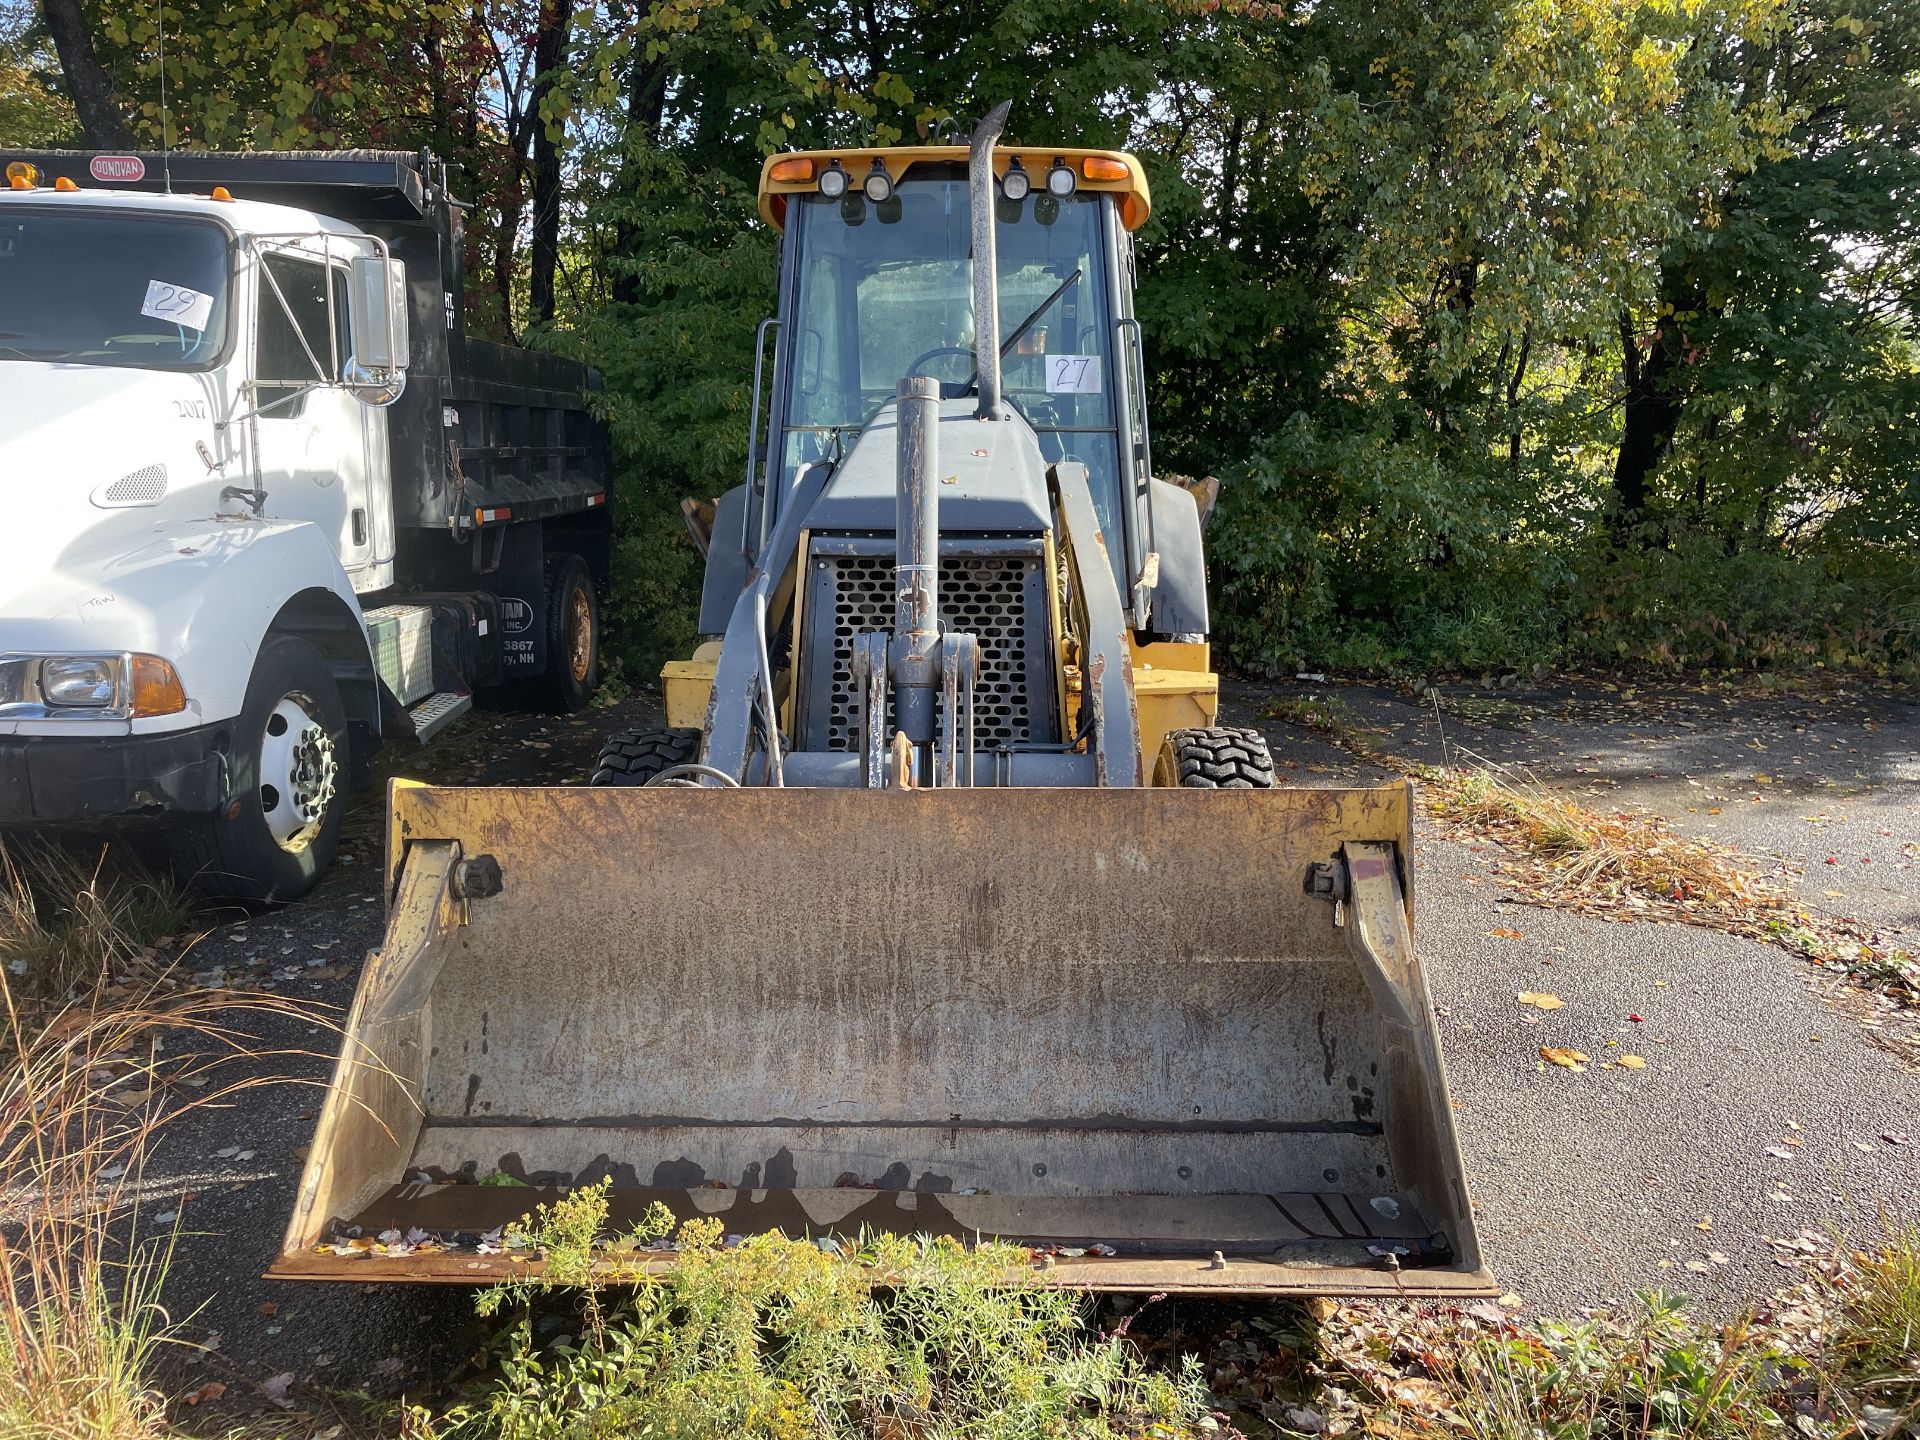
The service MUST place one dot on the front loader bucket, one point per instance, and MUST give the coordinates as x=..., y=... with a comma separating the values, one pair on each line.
x=1175, y=1039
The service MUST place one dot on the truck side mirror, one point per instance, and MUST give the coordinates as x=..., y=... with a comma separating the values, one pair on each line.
x=377, y=312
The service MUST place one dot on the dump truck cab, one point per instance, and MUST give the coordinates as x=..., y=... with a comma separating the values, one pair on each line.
x=269, y=505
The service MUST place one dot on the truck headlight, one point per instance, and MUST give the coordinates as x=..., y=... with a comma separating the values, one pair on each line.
x=90, y=687
x=82, y=682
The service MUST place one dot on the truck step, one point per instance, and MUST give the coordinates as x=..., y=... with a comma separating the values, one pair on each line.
x=436, y=712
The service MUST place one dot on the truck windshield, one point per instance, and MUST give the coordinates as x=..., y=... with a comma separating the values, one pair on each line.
x=98, y=287
x=886, y=291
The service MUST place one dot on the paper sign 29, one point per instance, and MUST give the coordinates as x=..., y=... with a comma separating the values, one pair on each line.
x=177, y=305
x=1073, y=374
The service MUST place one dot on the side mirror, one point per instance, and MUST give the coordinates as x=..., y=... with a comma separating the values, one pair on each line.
x=377, y=388
x=377, y=313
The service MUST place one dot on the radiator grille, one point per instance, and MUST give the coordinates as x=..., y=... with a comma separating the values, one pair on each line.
x=984, y=596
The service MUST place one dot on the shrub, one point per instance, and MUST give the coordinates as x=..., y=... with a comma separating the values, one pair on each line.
x=770, y=1337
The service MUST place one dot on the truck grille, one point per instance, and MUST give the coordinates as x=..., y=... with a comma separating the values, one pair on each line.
x=985, y=596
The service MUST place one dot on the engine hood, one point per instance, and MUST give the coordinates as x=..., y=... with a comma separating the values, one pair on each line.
x=993, y=478
x=97, y=464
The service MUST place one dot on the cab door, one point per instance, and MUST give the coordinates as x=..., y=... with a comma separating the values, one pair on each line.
x=313, y=441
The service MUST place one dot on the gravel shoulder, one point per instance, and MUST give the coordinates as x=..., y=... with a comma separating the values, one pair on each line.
x=1589, y=1185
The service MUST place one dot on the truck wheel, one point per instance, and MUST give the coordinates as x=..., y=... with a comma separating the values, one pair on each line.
x=276, y=834
x=633, y=757
x=1219, y=758
x=573, y=638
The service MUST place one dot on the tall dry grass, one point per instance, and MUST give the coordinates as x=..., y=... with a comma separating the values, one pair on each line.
x=68, y=919
x=99, y=1051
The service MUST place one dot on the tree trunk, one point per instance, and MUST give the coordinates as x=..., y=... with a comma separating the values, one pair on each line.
x=646, y=109
x=88, y=84
x=550, y=54
x=1650, y=417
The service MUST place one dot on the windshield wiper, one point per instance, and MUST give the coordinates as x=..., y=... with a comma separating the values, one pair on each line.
x=16, y=350
x=1020, y=330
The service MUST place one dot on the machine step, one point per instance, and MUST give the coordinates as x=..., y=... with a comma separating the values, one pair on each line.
x=436, y=712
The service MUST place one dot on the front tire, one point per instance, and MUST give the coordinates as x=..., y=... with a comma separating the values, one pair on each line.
x=634, y=757
x=277, y=831
x=1216, y=758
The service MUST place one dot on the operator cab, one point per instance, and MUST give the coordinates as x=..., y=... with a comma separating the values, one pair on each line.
x=877, y=284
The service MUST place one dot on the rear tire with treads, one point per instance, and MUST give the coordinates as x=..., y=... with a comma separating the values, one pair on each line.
x=633, y=757
x=573, y=639
x=1217, y=758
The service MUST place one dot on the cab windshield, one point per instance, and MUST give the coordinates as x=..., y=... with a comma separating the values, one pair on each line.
x=82, y=287
x=885, y=291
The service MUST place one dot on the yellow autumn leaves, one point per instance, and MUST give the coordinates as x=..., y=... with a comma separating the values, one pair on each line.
x=1566, y=1057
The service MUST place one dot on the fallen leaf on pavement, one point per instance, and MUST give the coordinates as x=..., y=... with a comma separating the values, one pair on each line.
x=1503, y=933
x=212, y=1390
x=1542, y=1000
x=1630, y=1062
x=1780, y=1152
x=276, y=1389
x=1894, y=1137
x=1567, y=1059
x=1705, y=1223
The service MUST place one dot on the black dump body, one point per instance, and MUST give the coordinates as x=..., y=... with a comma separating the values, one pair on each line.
x=481, y=426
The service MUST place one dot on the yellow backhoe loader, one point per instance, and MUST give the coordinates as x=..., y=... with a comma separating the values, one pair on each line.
x=942, y=905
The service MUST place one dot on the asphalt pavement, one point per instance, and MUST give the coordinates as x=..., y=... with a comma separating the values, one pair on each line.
x=1763, y=1107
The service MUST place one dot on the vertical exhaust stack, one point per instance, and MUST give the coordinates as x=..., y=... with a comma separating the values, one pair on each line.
x=986, y=271
x=913, y=660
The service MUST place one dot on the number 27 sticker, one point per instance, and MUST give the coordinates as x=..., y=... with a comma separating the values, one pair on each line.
x=1073, y=374
x=177, y=304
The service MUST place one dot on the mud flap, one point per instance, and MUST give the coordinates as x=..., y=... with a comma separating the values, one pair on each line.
x=1072, y=1019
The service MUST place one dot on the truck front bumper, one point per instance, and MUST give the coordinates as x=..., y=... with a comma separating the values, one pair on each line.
x=87, y=781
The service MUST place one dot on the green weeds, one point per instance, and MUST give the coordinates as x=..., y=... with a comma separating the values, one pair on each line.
x=779, y=1339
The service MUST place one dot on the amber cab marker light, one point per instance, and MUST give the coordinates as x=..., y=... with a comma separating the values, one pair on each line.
x=156, y=688
x=1100, y=167
x=220, y=192
x=19, y=182
x=65, y=185
x=795, y=169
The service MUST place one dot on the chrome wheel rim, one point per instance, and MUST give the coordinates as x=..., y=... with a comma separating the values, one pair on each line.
x=299, y=770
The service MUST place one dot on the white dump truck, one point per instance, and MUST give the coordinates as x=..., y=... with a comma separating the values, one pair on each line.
x=266, y=504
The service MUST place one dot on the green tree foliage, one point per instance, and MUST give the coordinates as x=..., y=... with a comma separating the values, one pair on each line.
x=1517, y=330
x=33, y=111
